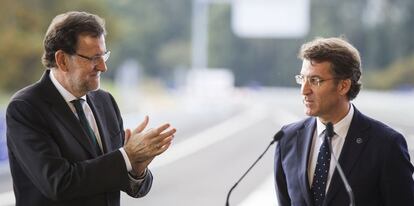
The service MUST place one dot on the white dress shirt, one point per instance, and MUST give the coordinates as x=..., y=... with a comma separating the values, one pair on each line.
x=341, y=130
x=88, y=113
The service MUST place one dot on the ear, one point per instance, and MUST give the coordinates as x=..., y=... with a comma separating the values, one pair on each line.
x=344, y=86
x=61, y=60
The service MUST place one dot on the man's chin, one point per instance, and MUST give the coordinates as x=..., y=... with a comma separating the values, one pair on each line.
x=94, y=87
x=309, y=112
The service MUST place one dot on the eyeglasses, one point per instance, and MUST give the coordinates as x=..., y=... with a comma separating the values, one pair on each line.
x=313, y=81
x=95, y=59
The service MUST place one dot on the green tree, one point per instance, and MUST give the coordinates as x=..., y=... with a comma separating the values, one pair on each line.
x=156, y=33
x=22, y=28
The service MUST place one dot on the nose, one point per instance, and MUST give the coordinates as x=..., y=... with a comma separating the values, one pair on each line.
x=101, y=65
x=305, y=88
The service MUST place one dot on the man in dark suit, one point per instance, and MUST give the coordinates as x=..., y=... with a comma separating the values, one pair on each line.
x=373, y=156
x=66, y=141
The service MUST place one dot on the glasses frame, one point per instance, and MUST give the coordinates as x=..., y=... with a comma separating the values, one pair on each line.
x=312, y=80
x=95, y=59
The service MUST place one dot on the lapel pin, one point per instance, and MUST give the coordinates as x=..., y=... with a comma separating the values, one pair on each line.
x=359, y=140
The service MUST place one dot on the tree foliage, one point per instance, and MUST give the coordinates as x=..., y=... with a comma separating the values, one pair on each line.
x=22, y=28
x=381, y=30
x=399, y=75
x=157, y=33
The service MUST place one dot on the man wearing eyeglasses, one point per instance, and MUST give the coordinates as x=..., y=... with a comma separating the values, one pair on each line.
x=66, y=141
x=373, y=156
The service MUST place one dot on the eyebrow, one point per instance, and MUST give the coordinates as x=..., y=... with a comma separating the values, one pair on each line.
x=99, y=54
x=312, y=76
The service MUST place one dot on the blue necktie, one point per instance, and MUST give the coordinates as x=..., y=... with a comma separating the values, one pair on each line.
x=320, y=177
x=85, y=123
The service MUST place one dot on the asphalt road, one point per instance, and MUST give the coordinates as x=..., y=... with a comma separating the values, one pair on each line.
x=218, y=139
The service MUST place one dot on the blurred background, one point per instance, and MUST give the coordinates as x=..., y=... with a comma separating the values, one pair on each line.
x=221, y=72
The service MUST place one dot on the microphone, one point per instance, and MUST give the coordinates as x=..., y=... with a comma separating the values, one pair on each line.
x=276, y=138
x=329, y=135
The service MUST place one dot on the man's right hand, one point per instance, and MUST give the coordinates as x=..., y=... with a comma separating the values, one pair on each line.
x=142, y=146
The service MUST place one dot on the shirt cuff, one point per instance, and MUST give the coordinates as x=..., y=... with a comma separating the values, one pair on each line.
x=126, y=159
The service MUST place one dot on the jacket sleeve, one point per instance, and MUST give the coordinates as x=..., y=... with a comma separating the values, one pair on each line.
x=140, y=189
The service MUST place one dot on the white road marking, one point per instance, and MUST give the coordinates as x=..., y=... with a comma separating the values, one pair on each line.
x=210, y=136
x=7, y=198
x=263, y=195
x=410, y=142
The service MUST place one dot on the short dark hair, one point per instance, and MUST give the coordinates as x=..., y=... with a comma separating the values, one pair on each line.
x=344, y=58
x=64, y=30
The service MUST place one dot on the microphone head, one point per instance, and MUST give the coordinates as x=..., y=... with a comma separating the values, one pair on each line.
x=329, y=129
x=278, y=136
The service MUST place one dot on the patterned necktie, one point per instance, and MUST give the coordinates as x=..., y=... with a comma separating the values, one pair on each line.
x=320, y=177
x=85, y=123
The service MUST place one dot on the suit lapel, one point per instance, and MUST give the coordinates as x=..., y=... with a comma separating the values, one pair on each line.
x=353, y=146
x=304, y=142
x=61, y=110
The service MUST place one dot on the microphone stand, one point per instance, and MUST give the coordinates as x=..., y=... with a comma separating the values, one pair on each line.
x=275, y=138
x=348, y=188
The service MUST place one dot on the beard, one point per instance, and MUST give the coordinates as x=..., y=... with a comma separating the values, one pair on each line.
x=81, y=86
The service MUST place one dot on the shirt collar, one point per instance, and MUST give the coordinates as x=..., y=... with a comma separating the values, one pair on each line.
x=340, y=128
x=65, y=93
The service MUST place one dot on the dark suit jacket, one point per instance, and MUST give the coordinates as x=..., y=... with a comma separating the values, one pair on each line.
x=374, y=158
x=52, y=160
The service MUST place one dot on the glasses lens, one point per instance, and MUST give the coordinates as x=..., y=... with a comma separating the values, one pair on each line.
x=299, y=79
x=314, y=81
x=106, y=56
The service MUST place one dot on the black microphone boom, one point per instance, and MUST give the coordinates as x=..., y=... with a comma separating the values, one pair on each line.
x=276, y=138
x=330, y=134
